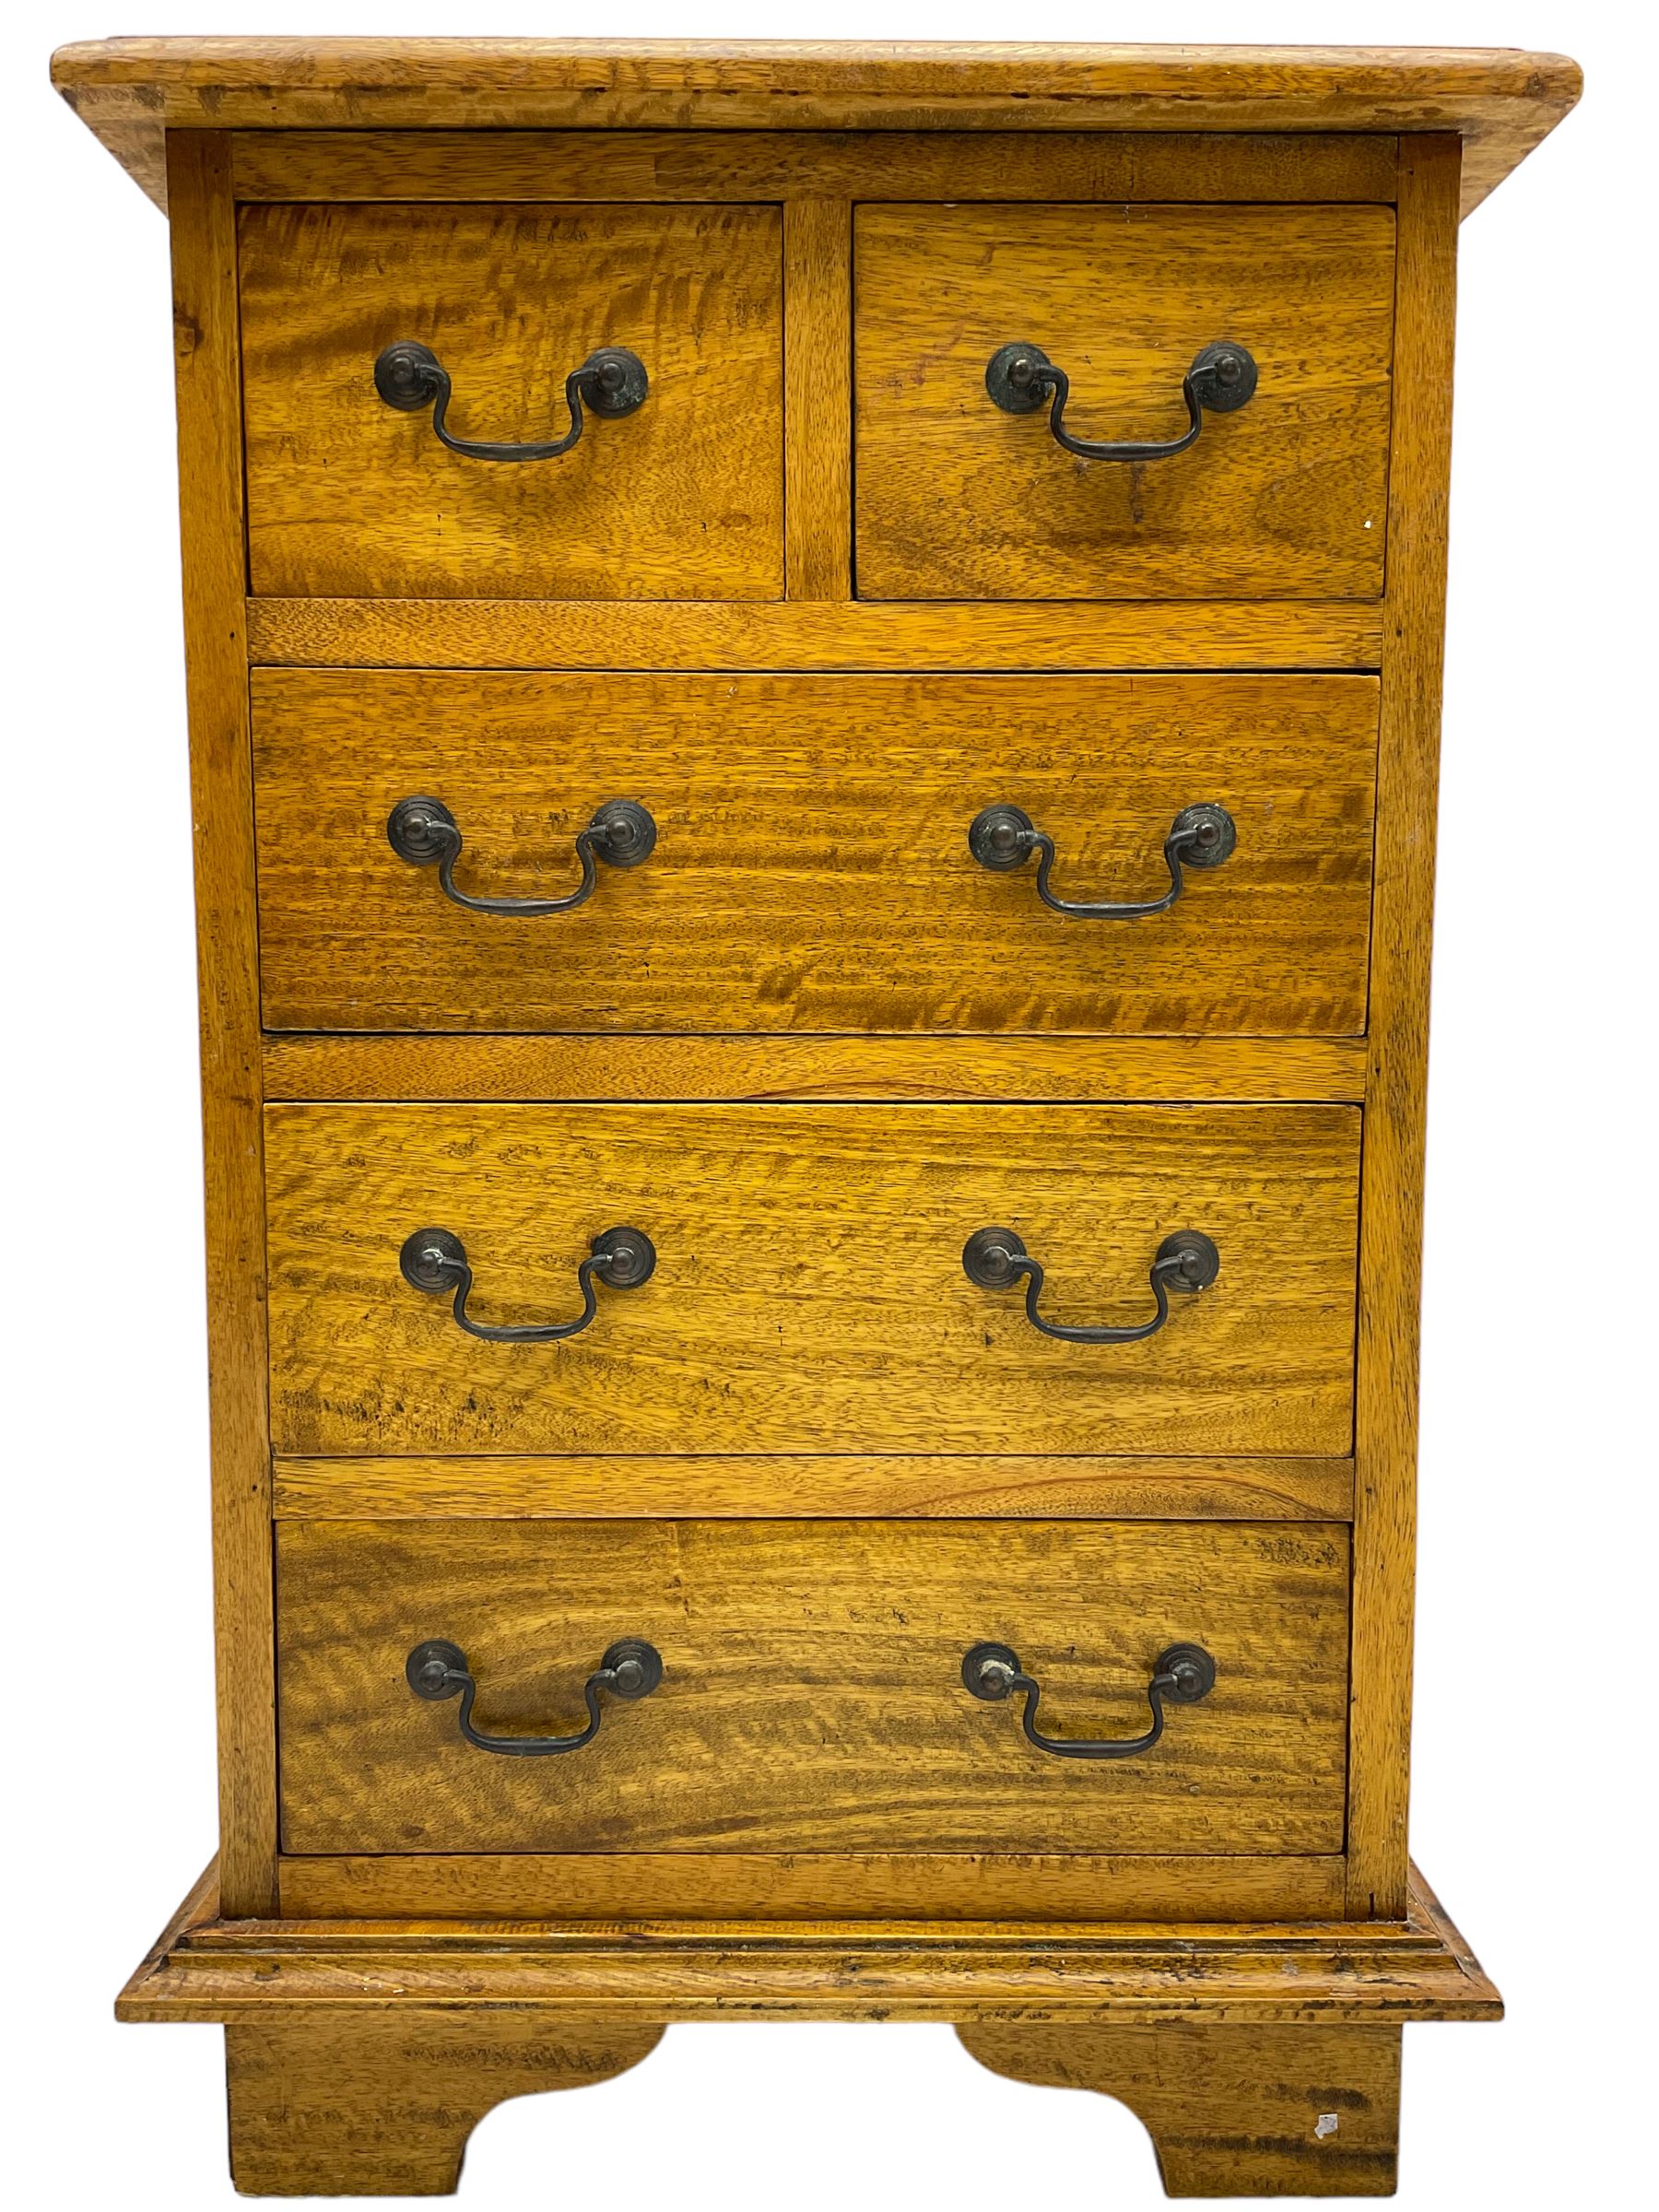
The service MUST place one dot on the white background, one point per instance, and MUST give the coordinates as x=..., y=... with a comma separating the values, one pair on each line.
x=1534, y=1815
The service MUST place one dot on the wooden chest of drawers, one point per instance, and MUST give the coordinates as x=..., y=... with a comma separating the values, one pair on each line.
x=814, y=710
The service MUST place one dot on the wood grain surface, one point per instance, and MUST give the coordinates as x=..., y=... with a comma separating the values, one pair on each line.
x=812, y=1696
x=211, y=508
x=348, y=2106
x=789, y=634
x=1231, y=2112
x=799, y=1887
x=1501, y=100
x=1396, y=1090
x=1299, y=1972
x=812, y=870
x=1005, y=166
x=817, y=399
x=954, y=1067
x=348, y=495
x=997, y=1070
x=1286, y=496
x=809, y=1293
x=841, y=1484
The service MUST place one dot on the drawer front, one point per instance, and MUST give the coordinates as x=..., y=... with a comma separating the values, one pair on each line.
x=812, y=1693
x=1281, y=497
x=350, y=495
x=812, y=868
x=809, y=1291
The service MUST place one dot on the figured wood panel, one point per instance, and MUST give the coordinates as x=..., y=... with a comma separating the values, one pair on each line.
x=997, y=1069
x=206, y=362
x=807, y=165
x=809, y=1293
x=348, y=495
x=1385, y=1501
x=1502, y=101
x=1235, y=2111
x=812, y=1696
x=337, y=2106
x=837, y=1485
x=1286, y=497
x=812, y=869
x=927, y=1887
x=864, y=635
x=818, y=386
x=1298, y=1971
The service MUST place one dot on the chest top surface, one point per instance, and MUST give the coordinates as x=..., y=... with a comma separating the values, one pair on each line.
x=1500, y=101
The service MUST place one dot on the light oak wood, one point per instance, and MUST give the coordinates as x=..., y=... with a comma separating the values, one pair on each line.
x=1231, y=2112
x=339, y=2105
x=817, y=399
x=808, y=1048
x=128, y=90
x=1285, y=498
x=1303, y=1973
x=998, y=1070
x=841, y=1484
x=206, y=360
x=794, y=166
x=480, y=634
x=347, y=495
x=1392, y=1207
x=812, y=1696
x=809, y=1293
x=975, y=1887
x=812, y=869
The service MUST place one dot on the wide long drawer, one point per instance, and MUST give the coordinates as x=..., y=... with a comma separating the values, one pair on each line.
x=812, y=1287
x=812, y=868
x=812, y=1691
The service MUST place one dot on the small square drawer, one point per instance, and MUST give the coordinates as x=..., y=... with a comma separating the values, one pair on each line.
x=814, y=852
x=1267, y=329
x=828, y=1686
x=803, y=1278
x=368, y=328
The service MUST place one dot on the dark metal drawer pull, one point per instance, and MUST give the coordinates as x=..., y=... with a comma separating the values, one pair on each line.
x=434, y=1261
x=630, y=1670
x=1184, y=1673
x=612, y=381
x=996, y=1258
x=424, y=830
x=1002, y=837
x=1223, y=379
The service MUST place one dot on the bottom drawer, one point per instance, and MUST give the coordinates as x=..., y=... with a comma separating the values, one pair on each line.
x=812, y=1693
